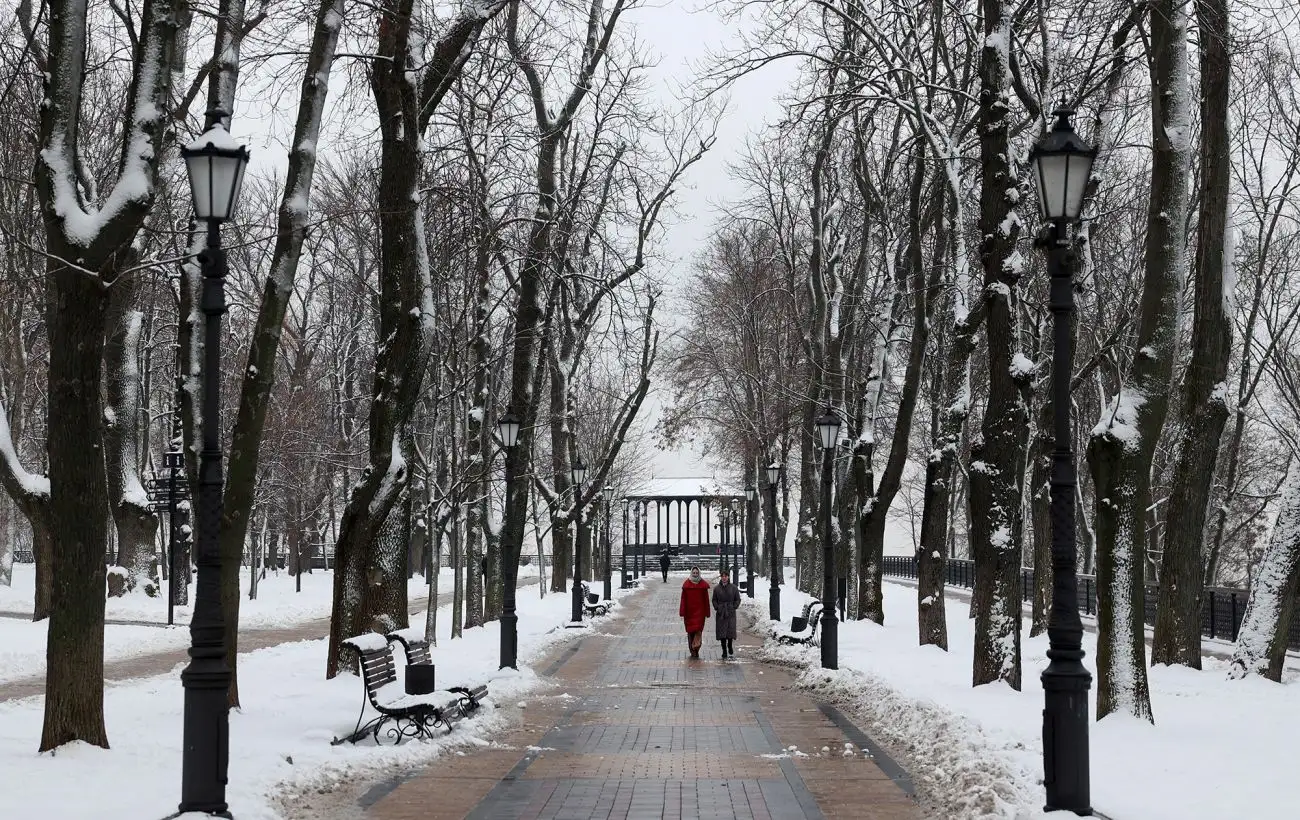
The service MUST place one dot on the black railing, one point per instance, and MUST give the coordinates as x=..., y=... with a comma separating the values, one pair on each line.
x=1222, y=608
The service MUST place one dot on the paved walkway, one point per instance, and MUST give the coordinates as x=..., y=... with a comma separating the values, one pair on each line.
x=160, y=663
x=640, y=731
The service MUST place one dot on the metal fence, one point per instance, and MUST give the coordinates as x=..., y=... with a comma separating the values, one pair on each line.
x=1221, y=607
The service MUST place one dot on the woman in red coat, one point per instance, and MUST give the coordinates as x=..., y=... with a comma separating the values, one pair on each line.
x=694, y=609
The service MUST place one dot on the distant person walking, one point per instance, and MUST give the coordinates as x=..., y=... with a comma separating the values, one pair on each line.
x=664, y=562
x=694, y=609
x=726, y=600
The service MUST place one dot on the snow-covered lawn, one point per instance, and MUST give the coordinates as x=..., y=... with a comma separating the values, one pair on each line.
x=22, y=643
x=1218, y=748
x=280, y=739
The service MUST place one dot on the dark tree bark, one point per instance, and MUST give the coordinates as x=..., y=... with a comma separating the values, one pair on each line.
x=996, y=483
x=941, y=471
x=368, y=591
x=1177, y=638
x=366, y=597
x=259, y=375
x=74, y=680
x=1121, y=448
x=921, y=284
x=99, y=247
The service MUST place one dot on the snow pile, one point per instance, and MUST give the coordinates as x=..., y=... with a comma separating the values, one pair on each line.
x=977, y=752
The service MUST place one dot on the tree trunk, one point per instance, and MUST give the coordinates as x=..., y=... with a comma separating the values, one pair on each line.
x=74, y=657
x=259, y=375
x=1122, y=446
x=136, y=524
x=1040, y=521
x=561, y=552
x=941, y=472
x=997, y=473
x=496, y=574
x=1177, y=638
x=365, y=594
x=1262, y=642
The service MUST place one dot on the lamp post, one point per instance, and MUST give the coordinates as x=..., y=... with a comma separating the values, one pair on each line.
x=622, y=572
x=774, y=576
x=579, y=474
x=1062, y=165
x=828, y=428
x=609, y=570
x=216, y=165
x=724, y=520
x=174, y=462
x=508, y=427
x=750, y=492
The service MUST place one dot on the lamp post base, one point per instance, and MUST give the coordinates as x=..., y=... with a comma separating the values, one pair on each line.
x=774, y=603
x=206, y=734
x=830, y=639
x=1066, y=682
x=509, y=638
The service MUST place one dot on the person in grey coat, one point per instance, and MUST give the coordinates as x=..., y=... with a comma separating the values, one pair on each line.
x=726, y=600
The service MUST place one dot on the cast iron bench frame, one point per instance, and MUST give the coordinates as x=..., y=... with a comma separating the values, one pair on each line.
x=415, y=718
x=591, y=603
x=812, y=612
x=417, y=654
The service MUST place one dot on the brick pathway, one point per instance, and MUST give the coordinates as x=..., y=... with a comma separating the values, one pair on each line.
x=160, y=663
x=640, y=731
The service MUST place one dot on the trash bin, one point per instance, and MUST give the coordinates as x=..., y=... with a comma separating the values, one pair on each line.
x=419, y=679
x=798, y=624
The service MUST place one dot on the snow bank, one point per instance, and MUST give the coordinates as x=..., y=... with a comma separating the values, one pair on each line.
x=977, y=752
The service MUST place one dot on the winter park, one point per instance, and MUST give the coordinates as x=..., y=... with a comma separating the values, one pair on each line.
x=612, y=409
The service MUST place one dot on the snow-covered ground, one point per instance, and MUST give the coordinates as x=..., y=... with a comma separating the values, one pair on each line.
x=22, y=643
x=279, y=740
x=1218, y=748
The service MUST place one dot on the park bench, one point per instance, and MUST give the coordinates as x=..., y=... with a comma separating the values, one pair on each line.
x=415, y=646
x=803, y=629
x=591, y=603
x=400, y=715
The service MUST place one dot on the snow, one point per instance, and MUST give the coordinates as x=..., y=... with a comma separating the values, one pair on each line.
x=1219, y=748
x=1119, y=419
x=1229, y=271
x=1022, y=367
x=412, y=634
x=218, y=137
x=279, y=738
x=22, y=643
x=31, y=483
x=369, y=642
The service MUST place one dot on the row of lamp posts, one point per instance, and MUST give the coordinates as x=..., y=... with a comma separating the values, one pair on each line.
x=1062, y=165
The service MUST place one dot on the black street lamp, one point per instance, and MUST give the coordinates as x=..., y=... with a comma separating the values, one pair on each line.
x=750, y=492
x=216, y=165
x=622, y=573
x=578, y=473
x=609, y=569
x=508, y=427
x=173, y=462
x=828, y=429
x=724, y=521
x=1062, y=166
x=774, y=579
